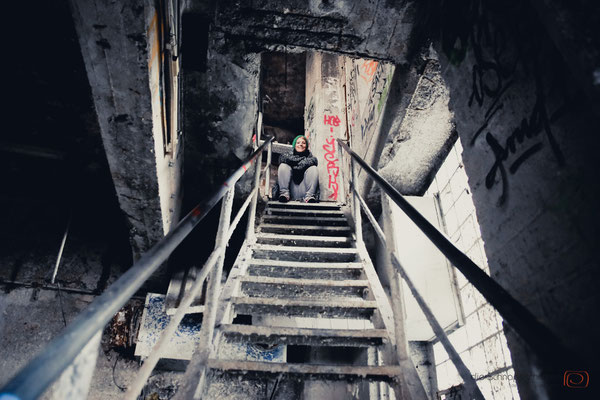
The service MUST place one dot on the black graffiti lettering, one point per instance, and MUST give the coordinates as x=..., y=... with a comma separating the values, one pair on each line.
x=529, y=128
x=501, y=155
x=526, y=154
x=485, y=124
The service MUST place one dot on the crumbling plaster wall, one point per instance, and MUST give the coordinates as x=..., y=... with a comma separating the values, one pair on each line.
x=419, y=144
x=123, y=57
x=221, y=109
x=529, y=143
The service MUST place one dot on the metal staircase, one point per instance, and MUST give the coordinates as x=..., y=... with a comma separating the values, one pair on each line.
x=302, y=281
x=302, y=278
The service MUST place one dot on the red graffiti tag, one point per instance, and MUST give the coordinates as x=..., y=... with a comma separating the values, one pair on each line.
x=332, y=167
x=332, y=120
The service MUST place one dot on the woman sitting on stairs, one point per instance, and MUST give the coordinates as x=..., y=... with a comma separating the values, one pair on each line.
x=297, y=175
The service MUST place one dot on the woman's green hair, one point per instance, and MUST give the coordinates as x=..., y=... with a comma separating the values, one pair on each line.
x=296, y=138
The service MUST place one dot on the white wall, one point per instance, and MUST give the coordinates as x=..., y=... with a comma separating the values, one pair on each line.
x=480, y=341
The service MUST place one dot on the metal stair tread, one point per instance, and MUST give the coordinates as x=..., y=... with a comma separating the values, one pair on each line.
x=300, y=249
x=342, y=217
x=291, y=228
x=316, y=371
x=299, y=204
x=318, y=238
x=305, y=264
x=307, y=282
x=300, y=212
x=358, y=304
x=294, y=335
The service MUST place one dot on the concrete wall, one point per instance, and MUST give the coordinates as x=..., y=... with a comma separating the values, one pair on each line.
x=530, y=146
x=420, y=143
x=123, y=59
x=325, y=120
x=367, y=87
x=480, y=340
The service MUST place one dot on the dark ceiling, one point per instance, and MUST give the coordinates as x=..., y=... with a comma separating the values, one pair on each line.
x=283, y=78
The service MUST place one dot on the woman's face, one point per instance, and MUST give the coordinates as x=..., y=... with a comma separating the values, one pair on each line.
x=300, y=145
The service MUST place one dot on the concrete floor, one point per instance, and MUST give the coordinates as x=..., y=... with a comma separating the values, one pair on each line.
x=30, y=318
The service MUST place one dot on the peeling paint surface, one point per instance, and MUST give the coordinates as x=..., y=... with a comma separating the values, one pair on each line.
x=155, y=321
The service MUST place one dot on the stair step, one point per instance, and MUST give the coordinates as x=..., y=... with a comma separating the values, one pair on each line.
x=304, y=212
x=304, y=240
x=296, y=253
x=299, y=220
x=304, y=336
x=258, y=286
x=304, y=206
x=306, y=229
x=310, y=270
x=253, y=369
x=357, y=309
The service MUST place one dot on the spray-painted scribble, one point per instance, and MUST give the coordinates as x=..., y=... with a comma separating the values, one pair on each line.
x=369, y=67
x=332, y=166
x=331, y=120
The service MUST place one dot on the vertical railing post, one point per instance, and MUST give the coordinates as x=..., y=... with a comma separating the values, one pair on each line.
x=204, y=347
x=74, y=383
x=355, y=203
x=410, y=386
x=257, y=161
x=268, y=171
x=252, y=212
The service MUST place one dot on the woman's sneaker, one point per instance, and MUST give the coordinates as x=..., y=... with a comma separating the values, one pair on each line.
x=284, y=198
x=310, y=199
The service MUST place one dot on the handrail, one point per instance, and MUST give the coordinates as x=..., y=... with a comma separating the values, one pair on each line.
x=42, y=371
x=537, y=336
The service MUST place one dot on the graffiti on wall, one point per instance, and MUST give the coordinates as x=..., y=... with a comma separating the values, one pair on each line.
x=352, y=103
x=310, y=116
x=369, y=67
x=375, y=100
x=492, y=76
x=333, y=169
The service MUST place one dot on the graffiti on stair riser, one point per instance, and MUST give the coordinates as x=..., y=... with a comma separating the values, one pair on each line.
x=332, y=166
x=492, y=76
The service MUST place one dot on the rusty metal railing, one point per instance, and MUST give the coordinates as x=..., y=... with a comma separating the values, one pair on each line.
x=553, y=355
x=71, y=357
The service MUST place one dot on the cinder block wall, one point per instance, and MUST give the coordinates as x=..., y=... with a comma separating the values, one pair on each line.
x=480, y=341
x=530, y=146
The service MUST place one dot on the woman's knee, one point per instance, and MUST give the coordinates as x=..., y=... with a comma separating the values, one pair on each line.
x=284, y=167
x=312, y=171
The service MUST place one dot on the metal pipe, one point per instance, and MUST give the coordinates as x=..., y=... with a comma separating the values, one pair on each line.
x=369, y=215
x=252, y=213
x=538, y=337
x=268, y=171
x=38, y=374
x=146, y=370
x=62, y=247
x=240, y=214
x=355, y=203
